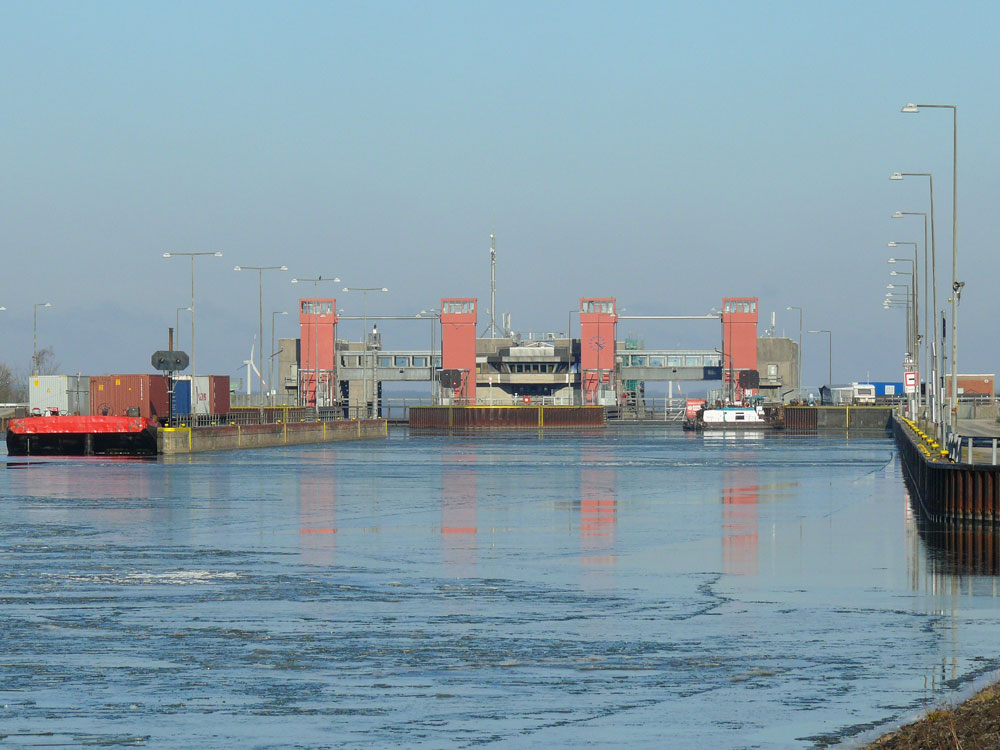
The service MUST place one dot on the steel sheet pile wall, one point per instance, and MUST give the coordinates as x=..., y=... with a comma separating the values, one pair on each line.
x=837, y=417
x=477, y=417
x=947, y=491
x=116, y=395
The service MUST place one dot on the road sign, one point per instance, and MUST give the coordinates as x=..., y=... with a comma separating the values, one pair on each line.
x=909, y=382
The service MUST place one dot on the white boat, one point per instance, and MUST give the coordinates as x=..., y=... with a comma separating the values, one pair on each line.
x=731, y=418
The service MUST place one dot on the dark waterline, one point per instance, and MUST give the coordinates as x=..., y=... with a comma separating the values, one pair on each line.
x=637, y=586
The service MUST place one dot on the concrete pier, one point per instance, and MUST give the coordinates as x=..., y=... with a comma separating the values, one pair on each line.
x=181, y=440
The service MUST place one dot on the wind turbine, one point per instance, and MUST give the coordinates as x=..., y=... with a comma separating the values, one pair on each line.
x=250, y=365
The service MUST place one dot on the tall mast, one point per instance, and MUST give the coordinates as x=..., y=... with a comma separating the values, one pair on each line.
x=493, y=330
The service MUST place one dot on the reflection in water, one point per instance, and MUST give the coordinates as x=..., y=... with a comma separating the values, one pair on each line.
x=458, y=514
x=739, y=521
x=317, y=516
x=597, y=508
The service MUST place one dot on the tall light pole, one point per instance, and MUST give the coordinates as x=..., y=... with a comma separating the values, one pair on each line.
x=915, y=269
x=929, y=310
x=316, y=316
x=798, y=375
x=260, y=311
x=177, y=324
x=909, y=315
x=364, y=317
x=34, y=346
x=270, y=359
x=911, y=337
x=956, y=285
x=435, y=315
x=830, y=334
x=194, y=384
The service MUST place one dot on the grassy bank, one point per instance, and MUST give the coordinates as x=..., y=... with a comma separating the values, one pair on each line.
x=973, y=725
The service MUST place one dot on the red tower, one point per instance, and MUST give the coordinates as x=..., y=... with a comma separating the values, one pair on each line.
x=317, y=338
x=739, y=339
x=598, y=321
x=458, y=345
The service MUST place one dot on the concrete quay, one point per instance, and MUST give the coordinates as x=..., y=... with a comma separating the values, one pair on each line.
x=172, y=441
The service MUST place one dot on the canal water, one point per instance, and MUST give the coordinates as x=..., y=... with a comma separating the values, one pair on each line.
x=631, y=587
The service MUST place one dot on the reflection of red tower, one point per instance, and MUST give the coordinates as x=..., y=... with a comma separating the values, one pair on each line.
x=458, y=512
x=739, y=338
x=458, y=343
x=597, y=510
x=317, y=335
x=317, y=518
x=739, y=522
x=598, y=318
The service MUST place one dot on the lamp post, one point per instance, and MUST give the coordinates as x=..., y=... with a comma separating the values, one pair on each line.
x=364, y=317
x=798, y=375
x=929, y=306
x=909, y=317
x=434, y=314
x=956, y=285
x=194, y=384
x=260, y=311
x=316, y=317
x=915, y=276
x=270, y=359
x=830, y=334
x=34, y=346
x=177, y=325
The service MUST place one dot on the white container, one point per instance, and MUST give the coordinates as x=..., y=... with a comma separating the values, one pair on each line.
x=59, y=394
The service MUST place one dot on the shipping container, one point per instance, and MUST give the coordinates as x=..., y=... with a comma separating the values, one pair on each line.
x=219, y=394
x=59, y=394
x=182, y=396
x=129, y=396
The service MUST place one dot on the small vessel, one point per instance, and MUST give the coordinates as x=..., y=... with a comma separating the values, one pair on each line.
x=748, y=415
x=82, y=436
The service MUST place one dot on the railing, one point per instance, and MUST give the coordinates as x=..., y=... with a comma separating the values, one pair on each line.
x=649, y=410
x=970, y=449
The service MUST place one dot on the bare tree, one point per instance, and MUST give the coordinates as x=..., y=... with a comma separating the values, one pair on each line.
x=13, y=387
x=46, y=362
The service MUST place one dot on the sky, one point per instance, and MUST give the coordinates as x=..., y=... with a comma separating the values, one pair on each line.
x=667, y=154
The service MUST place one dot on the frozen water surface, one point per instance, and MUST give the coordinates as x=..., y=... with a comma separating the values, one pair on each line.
x=634, y=586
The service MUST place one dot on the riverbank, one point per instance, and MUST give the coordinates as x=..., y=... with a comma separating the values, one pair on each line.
x=972, y=724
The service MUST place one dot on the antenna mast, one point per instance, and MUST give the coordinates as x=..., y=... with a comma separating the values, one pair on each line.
x=493, y=287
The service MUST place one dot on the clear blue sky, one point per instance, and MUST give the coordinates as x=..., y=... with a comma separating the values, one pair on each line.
x=664, y=153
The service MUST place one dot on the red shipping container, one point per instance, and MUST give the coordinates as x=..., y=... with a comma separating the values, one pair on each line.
x=116, y=395
x=218, y=389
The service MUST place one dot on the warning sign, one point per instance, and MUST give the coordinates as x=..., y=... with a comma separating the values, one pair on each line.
x=909, y=382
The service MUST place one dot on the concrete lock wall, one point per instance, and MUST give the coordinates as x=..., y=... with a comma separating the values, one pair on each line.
x=178, y=440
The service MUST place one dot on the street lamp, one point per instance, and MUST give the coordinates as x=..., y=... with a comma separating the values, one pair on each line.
x=260, y=311
x=270, y=360
x=956, y=285
x=192, y=256
x=929, y=305
x=316, y=317
x=915, y=275
x=177, y=325
x=364, y=326
x=34, y=347
x=830, y=334
x=798, y=375
x=434, y=314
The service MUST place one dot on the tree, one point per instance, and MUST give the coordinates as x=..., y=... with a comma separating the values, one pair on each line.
x=45, y=361
x=13, y=388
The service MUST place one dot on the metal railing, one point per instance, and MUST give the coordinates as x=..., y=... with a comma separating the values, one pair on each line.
x=970, y=449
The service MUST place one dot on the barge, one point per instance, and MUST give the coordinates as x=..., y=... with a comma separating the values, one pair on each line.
x=82, y=436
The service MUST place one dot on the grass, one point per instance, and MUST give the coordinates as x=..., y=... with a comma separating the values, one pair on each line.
x=973, y=725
